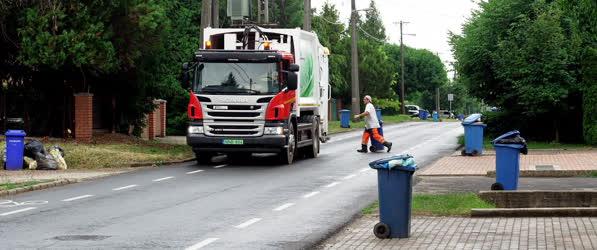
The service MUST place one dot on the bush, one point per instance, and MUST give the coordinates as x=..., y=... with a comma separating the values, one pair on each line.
x=389, y=106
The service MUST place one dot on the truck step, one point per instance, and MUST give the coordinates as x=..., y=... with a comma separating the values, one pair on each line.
x=305, y=143
x=304, y=126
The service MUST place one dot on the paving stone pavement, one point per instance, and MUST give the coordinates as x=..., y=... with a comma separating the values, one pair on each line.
x=480, y=165
x=474, y=233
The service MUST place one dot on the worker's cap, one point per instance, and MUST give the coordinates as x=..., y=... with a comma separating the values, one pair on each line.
x=368, y=98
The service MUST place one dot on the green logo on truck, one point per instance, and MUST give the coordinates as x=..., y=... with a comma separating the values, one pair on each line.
x=307, y=79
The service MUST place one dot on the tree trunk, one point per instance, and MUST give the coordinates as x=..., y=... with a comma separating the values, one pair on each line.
x=557, y=130
x=283, y=13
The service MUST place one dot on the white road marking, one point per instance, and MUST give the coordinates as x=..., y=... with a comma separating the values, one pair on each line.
x=332, y=184
x=163, y=179
x=78, y=197
x=202, y=244
x=125, y=187
x=349, y=176
x=248, y=223
x=221, y=166
x=17, y=211
x=194, y=172
x=311, y=194
x=285, y=206
x=364, y=170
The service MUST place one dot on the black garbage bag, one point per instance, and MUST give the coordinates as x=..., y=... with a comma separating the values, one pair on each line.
x=45, y=162
x=513, y=137
x=33, y=148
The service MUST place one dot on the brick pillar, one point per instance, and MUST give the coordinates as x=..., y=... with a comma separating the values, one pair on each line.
x=163, y=118
x=83, y=116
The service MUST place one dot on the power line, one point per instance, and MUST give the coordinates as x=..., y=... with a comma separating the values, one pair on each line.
x=371, y=36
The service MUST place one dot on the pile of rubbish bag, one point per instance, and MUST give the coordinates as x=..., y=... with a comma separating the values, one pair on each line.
x=37, y=158
x=512, y=137
x=404, y=162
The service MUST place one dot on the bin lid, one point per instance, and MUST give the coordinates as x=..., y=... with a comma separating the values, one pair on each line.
x=15, y=133
x=471, y=119
x=516, y=141
x=403, y=162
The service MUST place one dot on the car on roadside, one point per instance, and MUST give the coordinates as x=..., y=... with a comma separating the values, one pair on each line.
x=446, y=114
x=412, y=110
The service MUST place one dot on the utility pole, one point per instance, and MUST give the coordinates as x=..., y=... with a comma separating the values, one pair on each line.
x=266, y=11
x=206, y=10
x=259, y=11
x=356, y=105
x=307, y=16
x=215, y=13
x=402, y=101
x=437, y=100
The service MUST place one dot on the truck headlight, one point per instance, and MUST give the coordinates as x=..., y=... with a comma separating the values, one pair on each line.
x=273, y=130
x=195, y=130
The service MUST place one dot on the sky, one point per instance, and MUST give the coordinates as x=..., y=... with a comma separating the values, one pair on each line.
x=429, y=20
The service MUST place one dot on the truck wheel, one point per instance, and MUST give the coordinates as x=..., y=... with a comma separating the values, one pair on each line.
x=381, y=230
x=314, y=150
x=287, y=154
x=203, y=158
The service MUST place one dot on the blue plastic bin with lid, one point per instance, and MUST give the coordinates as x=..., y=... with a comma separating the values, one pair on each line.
x=423, y=114
x=375, y=144
x=435, y=116
x=473, y=135
x=395, y=195
x=507, y=162
x=345, y=118
x=15, y=148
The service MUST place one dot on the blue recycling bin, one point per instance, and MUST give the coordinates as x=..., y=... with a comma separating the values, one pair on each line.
x=460, y=117
x=15, y=148
x=473, y=135
x=345, y=118
x=507, y=161
x=378, y=113
x=395, y=196
x=435, y=116
x=423, y=114
x=375, y=144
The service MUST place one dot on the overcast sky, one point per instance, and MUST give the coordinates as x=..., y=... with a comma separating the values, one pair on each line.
x=430, y=20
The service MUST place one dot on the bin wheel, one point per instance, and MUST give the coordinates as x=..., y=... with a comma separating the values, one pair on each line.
x=475, y=153
x=381, y=230
x=463, y=152
x=372, y=148
x=497, y=186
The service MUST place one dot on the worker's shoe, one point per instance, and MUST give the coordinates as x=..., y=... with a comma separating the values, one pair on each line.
x=363, y=149
x=388, y=145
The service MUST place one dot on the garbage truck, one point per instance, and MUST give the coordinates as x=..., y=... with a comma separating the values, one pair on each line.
x=257, y=90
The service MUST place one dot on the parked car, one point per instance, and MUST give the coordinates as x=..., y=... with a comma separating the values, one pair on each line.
x=446, y=114
x=412, y=110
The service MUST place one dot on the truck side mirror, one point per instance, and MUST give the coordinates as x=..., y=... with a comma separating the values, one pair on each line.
x=185, y=76
x=293, y=67
x=292, y=81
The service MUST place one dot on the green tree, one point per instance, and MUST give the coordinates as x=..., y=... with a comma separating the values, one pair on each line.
x=372, y=28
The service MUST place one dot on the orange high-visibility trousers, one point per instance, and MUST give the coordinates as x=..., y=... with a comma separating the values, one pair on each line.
x=371, y=132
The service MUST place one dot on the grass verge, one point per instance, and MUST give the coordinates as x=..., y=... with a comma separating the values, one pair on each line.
x=116, y=151
x=10, y=185
x=440, y=204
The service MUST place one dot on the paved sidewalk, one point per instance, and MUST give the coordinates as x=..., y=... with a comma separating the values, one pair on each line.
x=474, y=233
x=535, y=160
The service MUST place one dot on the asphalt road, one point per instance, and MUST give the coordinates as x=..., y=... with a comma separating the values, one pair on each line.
x=242, y=204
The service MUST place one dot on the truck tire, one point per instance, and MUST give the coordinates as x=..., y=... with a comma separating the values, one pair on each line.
x=287, y=154
x=203, y=158
x=313, y=151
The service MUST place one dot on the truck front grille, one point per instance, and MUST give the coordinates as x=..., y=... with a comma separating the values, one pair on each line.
x=234, y=119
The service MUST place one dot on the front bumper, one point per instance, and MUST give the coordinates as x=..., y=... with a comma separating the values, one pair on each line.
x=261, y=144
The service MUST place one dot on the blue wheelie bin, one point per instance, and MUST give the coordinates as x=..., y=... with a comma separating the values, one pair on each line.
x=394, y=180
x=15, y=148
x=473, y=135
x=507, y=160
x=423, y=114
x=345, y=118
x=376, y=145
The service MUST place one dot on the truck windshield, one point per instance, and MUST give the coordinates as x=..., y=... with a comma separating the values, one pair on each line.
x=225, y=78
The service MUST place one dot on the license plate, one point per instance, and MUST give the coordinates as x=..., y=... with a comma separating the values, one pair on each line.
x=232, y=142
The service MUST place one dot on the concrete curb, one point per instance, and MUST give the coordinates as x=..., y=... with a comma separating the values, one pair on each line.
x=549, y=173
x=535, y=212
x=67, y=181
